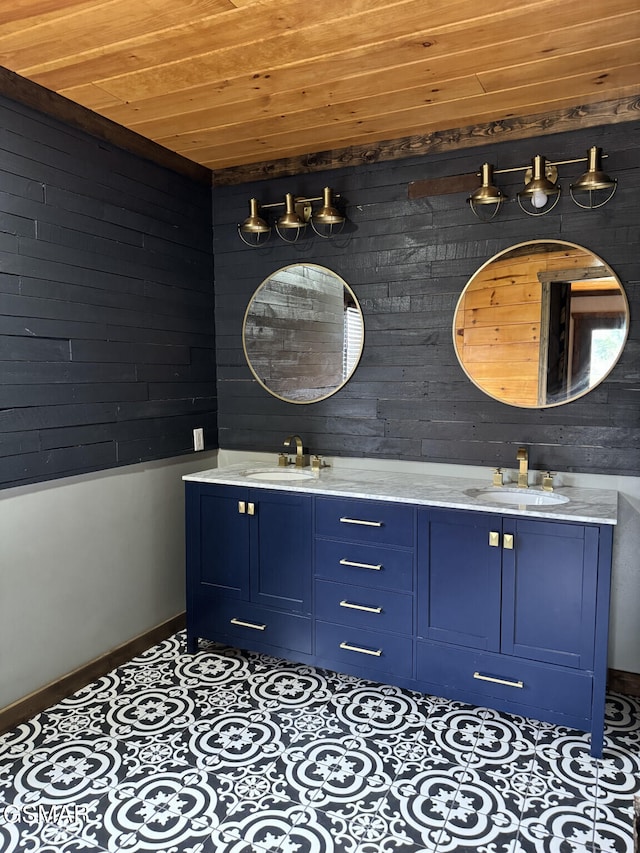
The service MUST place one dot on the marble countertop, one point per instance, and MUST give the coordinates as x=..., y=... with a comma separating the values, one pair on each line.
x=597, y=506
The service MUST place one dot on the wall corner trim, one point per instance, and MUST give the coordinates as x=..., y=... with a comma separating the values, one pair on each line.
x=23, y=709
x=56, y=106
x=620, y=681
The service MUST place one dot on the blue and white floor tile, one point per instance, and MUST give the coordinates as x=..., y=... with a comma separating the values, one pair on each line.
x=234, y=752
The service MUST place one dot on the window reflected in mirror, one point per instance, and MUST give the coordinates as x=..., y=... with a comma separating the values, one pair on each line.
x=541, y=324
x=303, y=333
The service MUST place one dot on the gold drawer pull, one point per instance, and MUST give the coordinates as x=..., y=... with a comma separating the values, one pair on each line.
x=507, y=541
x=377, y=653
x=498, y=680
x=349, y=604
x=242, y=624
x=360, y=521
x=494, y=539
x=377, y=568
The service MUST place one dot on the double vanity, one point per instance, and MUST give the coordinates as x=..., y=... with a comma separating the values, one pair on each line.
x=491, y=595
x=483, y=591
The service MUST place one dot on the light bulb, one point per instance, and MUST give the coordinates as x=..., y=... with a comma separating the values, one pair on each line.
x=538, y=199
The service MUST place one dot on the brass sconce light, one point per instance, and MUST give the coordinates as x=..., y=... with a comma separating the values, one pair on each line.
x=487, y=197
x=541, y=188
x=541, y=191
x=593, y=181
x=326, y=221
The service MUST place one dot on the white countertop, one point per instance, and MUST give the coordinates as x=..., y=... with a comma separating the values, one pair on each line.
x=597, y=506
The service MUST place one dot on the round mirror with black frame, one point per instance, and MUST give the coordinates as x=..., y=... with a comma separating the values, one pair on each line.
x=303, y=333
x=540, y=324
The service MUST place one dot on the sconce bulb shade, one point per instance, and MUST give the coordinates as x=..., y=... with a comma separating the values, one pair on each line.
x=594, y=178
x=540, y=187
x=594, y=183
x=327, y=221
x=254, y=223
x=290, y=218
x=327, y=215
x=487, y=193
x=254, y=231
x=539, y=182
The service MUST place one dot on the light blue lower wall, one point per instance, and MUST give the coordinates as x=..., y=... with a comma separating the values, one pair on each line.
x=87, y=563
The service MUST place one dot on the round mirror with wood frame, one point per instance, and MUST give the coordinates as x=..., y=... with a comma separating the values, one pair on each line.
x=540, y=324
x=303, y=333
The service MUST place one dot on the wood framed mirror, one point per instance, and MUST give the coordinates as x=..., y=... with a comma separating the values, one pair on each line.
x=540, y=324
x=303, y=333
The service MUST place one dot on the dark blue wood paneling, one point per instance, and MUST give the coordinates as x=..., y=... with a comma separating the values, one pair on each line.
x=408, y=262
x=106, y=304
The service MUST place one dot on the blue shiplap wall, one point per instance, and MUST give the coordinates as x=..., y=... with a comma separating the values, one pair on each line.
x=408, y=262
x=106, y=304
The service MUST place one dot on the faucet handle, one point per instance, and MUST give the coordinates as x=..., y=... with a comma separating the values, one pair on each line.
x=498, y=477
x=547, y=481
x=317, y=463
x=283, y=460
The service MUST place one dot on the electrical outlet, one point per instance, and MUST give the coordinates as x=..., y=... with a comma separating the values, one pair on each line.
x=198, y=439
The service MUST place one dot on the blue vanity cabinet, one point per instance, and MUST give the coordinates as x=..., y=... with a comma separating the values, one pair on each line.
x=459, y=581
x=549, y=591
x=249, y=555
x=364, y=585
x=506, y=611
x=513, y=614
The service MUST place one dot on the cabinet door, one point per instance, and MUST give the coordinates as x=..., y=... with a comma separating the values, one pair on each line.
x=549, y=592
x=218, y=539
x=459, y=564
x=281, y=549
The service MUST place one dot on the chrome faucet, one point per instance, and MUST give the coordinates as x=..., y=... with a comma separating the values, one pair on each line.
x=523, y=474
x=302, y=459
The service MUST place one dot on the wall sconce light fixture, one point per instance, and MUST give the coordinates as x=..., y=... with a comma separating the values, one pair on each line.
x=487, y=197
x=541, y=190
x=326, y=221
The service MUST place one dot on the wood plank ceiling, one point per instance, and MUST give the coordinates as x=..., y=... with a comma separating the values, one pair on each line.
x=226, y=83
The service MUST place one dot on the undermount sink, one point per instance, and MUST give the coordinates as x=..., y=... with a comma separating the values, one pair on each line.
x=518, y=497
x=286, y=475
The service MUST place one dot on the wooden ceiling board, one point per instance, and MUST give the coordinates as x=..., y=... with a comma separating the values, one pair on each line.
x=97, y=30
x=25, y=14
x=230, y=83
x=315, y=115
x=603, y=59
x=344, y=77
x=417, y=83
x=149, y=51
x=531, y=100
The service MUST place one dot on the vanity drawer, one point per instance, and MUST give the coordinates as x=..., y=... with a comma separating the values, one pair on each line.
x=241, y=623
x=483, y=675
x=365, y=521
x=364, y=565
x=379, y=652
x=363, y=607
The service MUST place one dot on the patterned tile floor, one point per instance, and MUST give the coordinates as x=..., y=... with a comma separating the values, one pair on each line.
x=229, y=752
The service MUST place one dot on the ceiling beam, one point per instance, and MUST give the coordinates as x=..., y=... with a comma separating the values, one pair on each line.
x=543, y=124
